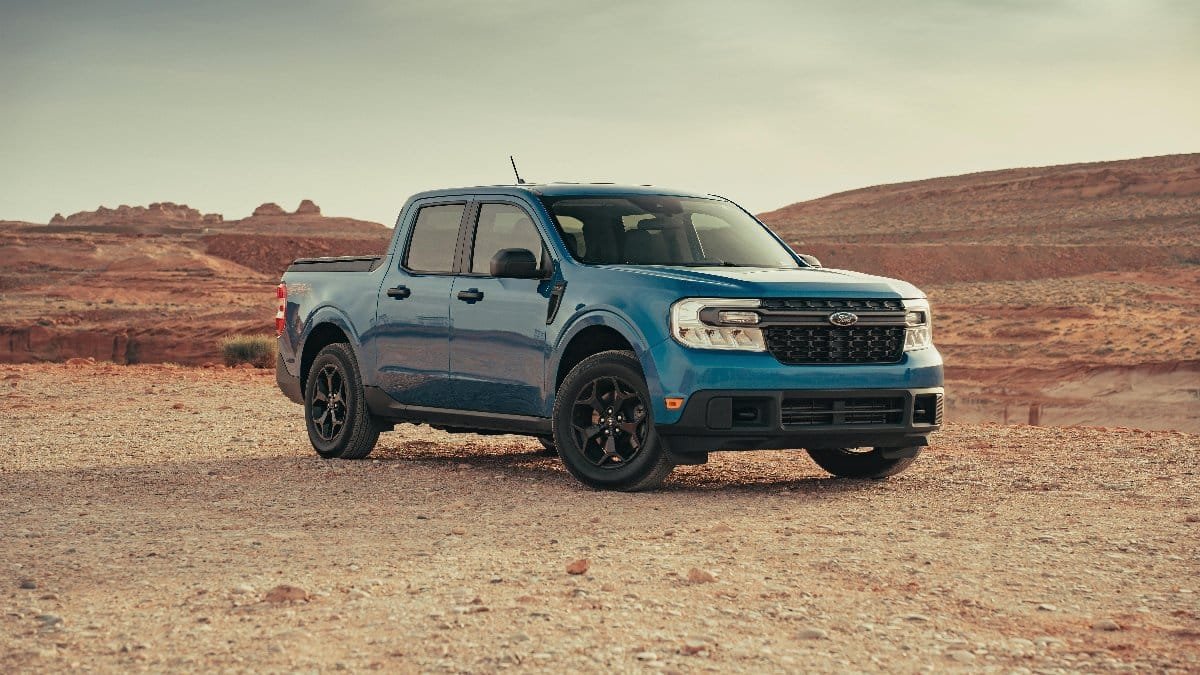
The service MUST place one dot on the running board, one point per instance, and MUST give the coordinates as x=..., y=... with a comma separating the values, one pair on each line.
x=383, y=405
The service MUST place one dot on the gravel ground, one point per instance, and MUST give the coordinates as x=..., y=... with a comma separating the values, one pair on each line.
x=152, y=513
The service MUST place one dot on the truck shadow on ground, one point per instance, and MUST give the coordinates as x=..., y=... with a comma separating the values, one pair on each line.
x=733, y=473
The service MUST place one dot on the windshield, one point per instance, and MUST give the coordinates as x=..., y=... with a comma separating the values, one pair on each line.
x=663, y=230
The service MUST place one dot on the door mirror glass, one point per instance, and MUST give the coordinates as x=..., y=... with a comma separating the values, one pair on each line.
x=810, y=260
x=514, y=263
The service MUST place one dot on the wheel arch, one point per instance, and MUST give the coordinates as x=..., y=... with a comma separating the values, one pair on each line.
x=326, y=328
x=594, y=333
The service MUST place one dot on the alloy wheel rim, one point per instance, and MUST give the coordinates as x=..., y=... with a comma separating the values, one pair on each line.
x=609, y=422
x=329, y=403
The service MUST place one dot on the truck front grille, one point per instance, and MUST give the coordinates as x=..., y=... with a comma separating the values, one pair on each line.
x=797, y=345
x=829, y=412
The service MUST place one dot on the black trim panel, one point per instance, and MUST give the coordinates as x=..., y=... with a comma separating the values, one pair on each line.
x=289, y=384
x=710, y=421
x=387, y=407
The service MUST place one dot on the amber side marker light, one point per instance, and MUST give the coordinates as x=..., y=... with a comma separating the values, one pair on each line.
x=674, y=402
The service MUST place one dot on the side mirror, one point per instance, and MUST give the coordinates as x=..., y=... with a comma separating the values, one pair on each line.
x=515, y=263
x=810, y=260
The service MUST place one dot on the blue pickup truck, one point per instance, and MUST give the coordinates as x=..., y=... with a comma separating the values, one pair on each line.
x=631, y=329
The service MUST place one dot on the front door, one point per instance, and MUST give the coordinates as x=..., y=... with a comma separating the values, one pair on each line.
x=498, y=342
x=412, y=332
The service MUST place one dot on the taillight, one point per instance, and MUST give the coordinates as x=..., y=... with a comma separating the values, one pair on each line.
x=281, y=294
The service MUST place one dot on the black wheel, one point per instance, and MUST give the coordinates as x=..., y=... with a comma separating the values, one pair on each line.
x=863, y=462
x=604, y=425
x=339, y=424
x=549, y=449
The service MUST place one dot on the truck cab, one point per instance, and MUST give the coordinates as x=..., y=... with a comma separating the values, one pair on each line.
x=631, y=329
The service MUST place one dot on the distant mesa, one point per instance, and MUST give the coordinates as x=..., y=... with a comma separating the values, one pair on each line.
x=308, y=208
x=158, y=213
x=167, y=218
x=270, y=209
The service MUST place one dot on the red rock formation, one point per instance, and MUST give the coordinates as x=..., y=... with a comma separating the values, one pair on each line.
x=308, y=208
x=270, y=209
x=158, y=213
x=58, y=219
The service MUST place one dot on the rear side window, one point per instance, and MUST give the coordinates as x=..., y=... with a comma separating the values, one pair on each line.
x=502, y=226
x=434, y=238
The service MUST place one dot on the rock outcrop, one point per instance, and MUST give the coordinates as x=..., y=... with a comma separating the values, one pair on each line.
x=308, y=208
x=158, y=213
x=58, y=219
x=269, y=209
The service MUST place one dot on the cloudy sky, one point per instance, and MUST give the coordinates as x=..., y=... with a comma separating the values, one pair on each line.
x=358, y=103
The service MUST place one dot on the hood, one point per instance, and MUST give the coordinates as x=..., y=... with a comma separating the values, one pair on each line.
x=773, y=282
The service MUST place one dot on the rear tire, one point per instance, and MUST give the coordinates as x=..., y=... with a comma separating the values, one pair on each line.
x=861, y=463
x=604, y=425
x=335, y=407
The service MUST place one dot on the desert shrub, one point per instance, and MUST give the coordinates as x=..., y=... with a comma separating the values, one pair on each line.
x=257, y=350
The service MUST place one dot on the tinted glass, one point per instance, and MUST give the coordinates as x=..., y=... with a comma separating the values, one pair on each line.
x=502, y=226
x=664, y=230
x=435, y=234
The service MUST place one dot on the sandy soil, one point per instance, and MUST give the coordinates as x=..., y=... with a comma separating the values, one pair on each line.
x=150, y=511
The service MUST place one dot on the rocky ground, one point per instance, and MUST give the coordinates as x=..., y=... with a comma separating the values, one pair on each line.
x=159, y=518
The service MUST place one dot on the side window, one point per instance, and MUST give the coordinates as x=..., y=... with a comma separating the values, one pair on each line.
x=502, y=226
x=434, y=238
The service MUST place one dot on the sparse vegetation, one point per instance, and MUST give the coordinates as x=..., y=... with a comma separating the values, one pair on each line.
x=257, y=350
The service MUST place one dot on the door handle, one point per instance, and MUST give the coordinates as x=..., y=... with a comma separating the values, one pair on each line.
x=470, y=295
x=399, y=292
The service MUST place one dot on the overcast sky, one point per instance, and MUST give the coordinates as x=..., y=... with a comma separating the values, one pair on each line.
x=358, y=103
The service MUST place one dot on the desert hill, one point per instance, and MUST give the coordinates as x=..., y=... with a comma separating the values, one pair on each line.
x=1153, y=200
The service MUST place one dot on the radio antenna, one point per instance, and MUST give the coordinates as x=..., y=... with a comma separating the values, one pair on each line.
x=520, y=181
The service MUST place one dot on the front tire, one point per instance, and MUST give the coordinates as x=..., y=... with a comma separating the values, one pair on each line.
x=335, y=407
x=863, y=462
x=604, y=425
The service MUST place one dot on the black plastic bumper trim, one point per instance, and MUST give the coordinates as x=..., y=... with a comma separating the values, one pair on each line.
x=703, y=425
x=289, y=384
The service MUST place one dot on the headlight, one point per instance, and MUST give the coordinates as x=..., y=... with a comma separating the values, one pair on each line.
x=919, y=333
x=694, y=324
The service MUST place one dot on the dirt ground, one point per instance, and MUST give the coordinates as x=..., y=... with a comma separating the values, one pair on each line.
x=151, y=512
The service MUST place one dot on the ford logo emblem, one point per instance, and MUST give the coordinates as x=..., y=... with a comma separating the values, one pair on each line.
x=843, y=319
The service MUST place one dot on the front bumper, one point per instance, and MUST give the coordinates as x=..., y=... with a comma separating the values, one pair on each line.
x=746, y=419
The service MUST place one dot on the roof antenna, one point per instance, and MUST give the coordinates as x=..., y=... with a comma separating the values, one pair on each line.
x=520, y=181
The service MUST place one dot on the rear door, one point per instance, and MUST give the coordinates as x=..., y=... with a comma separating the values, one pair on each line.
x=498, y=344
x=412, y=332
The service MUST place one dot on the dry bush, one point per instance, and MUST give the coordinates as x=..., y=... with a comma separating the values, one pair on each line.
x=257, y=350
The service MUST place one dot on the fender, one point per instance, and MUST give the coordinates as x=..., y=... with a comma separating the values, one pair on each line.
x=332, y=315
x=604, y=316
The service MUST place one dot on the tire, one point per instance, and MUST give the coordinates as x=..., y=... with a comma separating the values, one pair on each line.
x=334, y=376
x=549, y=449
x=861, y=463
x=604, y=425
